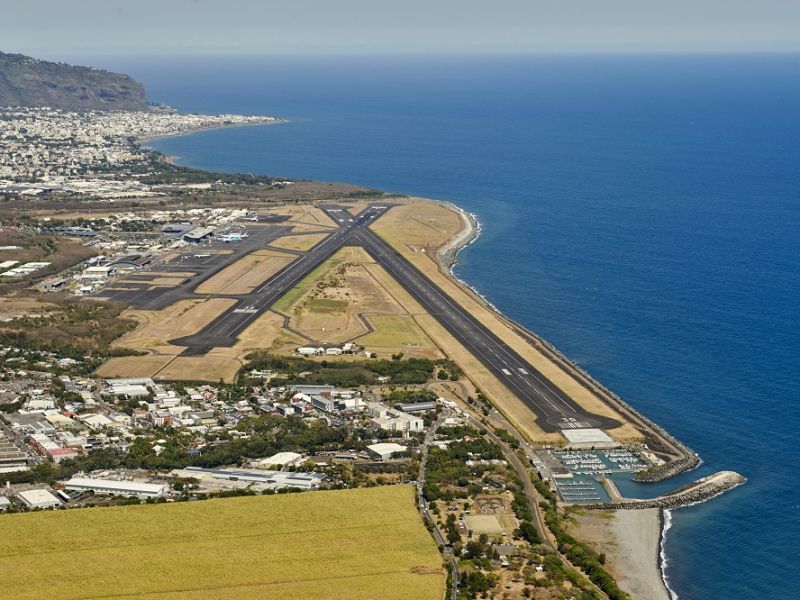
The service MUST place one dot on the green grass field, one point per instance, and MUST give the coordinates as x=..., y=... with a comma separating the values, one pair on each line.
x=327, y=305
x=285, y=303
x=348, y=544
x=396, y=331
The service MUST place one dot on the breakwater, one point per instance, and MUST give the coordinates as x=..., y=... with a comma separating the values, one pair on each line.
x=687, y=462
x=692, y=493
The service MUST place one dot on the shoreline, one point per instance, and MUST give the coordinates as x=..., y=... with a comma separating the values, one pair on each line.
x=631, y=541
x=665, y=523
x=447, y=259
x=683, y=458
x=144, y=141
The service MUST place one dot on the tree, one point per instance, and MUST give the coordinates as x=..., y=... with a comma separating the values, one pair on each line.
x=474, y=549
x=527, y=531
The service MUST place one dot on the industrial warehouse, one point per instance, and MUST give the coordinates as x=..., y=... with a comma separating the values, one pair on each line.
x=139, y=489
x=221, y=479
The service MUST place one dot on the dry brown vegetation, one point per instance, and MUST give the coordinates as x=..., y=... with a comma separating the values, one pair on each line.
x=90, y=327
x=62, y=252
x=200, y=368
x=304, y=214
x=185, y=317
x=346, y=297
x=14, y=307
x=246, y=274
x=301, y=243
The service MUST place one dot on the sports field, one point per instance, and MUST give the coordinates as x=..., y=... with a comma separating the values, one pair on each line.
x=347, y=544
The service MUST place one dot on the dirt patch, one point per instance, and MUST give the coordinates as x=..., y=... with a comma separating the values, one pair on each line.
x=20, y=306
x=301, y=243
x=246, y=274
x=200, y=368
x=133, y=366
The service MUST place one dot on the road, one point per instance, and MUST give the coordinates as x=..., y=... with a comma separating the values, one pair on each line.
x=423, y=505
x=523, y=473
x=554, y=410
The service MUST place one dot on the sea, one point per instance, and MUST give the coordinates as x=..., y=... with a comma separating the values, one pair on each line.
x=642, y=213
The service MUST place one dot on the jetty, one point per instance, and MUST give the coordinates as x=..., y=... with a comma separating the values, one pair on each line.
x=692, y=493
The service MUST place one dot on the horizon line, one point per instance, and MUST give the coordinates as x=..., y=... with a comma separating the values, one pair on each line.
x=66, y=56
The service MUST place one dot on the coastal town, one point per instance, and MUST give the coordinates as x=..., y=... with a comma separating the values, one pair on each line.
x=169, y=335
x=46, y=150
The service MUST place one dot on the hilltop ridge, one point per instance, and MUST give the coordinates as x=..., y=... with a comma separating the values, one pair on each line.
x=27, y=81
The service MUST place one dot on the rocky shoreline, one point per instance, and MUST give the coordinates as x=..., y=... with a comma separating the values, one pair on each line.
x=692, y=493
x=670, y=469
x=682, y=458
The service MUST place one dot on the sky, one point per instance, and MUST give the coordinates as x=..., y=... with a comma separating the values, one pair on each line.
x=54, y=28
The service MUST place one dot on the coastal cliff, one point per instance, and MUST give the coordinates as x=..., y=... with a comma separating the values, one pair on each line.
x=26, y=81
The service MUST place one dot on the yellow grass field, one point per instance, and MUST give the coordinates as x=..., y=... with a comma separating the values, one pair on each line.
x=185, y=317
x=301, y=243
x=133, y=366
x=285, y=304
x=421, y=224
x=396, y=333
x=304, y=214
x=200, y=368
x=156, y=328
x=358, y=544
x=247, y=273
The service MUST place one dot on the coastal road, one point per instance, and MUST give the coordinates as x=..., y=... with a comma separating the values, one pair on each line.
x=441, y=542
x=554, y=410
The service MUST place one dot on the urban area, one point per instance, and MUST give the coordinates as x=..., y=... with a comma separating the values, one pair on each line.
x=326, y=415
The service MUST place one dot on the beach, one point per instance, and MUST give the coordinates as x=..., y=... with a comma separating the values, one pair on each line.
x=631, y=541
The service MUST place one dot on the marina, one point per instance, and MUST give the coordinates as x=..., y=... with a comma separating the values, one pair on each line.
x=579, y=478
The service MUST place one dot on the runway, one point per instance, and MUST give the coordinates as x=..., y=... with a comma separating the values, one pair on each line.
x=554, y=410
x=223, y=331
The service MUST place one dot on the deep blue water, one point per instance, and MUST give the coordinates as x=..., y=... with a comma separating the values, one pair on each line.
x=641, y=213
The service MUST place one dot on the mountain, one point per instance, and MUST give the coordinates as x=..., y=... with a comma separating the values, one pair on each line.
x=26, y=81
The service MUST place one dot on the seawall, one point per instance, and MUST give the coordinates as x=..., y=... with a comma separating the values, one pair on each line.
x=692, y=493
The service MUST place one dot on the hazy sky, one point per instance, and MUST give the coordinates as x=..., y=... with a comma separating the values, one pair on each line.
x=69, y=27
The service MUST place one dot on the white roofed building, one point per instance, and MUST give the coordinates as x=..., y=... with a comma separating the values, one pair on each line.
x=111, y=487
x=281, y=459
x=386, y=450
x=588, y=438
x=38, y=499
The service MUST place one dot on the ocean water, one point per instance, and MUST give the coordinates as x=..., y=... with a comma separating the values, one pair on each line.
x=641, y=213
